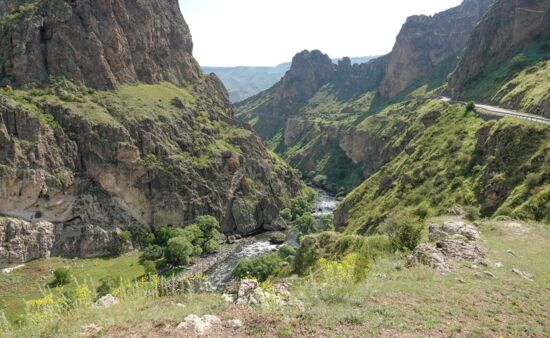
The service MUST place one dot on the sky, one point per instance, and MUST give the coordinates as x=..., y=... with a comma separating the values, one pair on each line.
x=269, y=32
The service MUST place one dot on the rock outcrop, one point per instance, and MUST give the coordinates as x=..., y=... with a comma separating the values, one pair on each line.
x=97, y=162
x=425, y=42
x=453, y=240
x=21, y=241
x=508, y=27
x=98, y=43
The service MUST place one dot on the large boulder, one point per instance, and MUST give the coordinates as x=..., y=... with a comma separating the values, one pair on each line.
x=22, y=241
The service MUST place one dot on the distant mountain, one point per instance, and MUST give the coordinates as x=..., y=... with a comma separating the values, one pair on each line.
x=244, y=82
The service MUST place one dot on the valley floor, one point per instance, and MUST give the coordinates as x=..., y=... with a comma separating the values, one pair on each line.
x=471, y=301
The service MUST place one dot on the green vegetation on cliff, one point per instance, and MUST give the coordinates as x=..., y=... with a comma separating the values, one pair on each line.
x=457, y=160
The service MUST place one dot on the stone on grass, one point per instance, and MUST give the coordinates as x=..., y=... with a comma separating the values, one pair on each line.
x=526, y=275
x=234, y=324
x=430, y=256
x=199, y=325
x=107, y=301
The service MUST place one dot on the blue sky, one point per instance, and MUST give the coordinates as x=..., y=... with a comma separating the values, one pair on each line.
x=267, y=32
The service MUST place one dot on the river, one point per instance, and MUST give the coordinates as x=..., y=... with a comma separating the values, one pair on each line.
x=220, y=273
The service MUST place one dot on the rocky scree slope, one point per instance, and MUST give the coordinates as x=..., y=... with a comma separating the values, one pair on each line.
x=310, y=116
x=506, y=59
x=91, y=161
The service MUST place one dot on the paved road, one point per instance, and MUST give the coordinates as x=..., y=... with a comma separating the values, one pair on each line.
x=503, y=112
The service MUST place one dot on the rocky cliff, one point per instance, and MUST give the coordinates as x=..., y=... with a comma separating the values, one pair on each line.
x=505, y=53
x=94, y=162
x=100, y=43
x=426, y=42
x=312, y=116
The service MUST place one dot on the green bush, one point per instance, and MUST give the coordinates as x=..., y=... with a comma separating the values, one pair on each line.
x=306, y=224
x=166, y=233
x=470, y=107
x=406, y=237
x=471, y=213
x=533, y=179
x=286, y=214
x=108, y=284
x=61, y=276
x=212, y=246
x=320, y=180
x=150, y=268
x=299, y=207
x=179, y=251
x=141, y=238
x=261, y=267
x=151, y=253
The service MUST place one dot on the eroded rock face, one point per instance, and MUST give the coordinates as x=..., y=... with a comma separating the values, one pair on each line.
x=508, y=27
x=96, y=171
x=22, y=241
x=101, y=43
x=427, y=41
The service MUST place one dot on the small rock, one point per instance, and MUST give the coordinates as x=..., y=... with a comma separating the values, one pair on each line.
x=277, y=238
x=489, y=274
x=461, y=281
x=199, y=325
x=499, y=265
x=475, y=266
x=511, y=253
x=228, y=298
x=525, y=275
x=381, y=276
x=234, y=324
x=107, y=301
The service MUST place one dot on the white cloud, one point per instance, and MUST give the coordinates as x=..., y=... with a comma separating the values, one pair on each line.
x=266, y=32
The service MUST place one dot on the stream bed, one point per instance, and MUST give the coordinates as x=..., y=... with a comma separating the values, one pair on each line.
x=220, y=273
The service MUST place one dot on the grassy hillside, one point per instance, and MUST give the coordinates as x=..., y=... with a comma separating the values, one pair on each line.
x=391, y=301
x=492, y=168
x=521, y=81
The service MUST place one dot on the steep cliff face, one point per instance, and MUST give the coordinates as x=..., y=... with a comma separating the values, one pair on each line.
x=96, y=162
x=425, y=42
x=505, y=59
x=100, y=43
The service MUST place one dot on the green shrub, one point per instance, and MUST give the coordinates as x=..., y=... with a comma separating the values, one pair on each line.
x=61, y=276
x=286, y=214
x=211, y=246
x=471, y=213
x=533, y=179
x=150, y=268
x=286, y=252
x=406, y=237
x=320, y=180
x=179, y=251
x=261, y=267
x=166, y=233
x=151, y=253
x=125, y=236
x=306, y=224
x=108, y=284
x=470, y=107
x=299, y=207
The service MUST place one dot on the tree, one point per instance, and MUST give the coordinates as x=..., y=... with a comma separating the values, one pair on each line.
x=209, y=227
x=179, y=251
x=470, y=107
x=166, y=233
x=61, y=276
x=151, y=253
x=108, y=283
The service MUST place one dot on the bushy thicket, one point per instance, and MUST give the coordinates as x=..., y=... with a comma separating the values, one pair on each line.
x=178, y=246
x=265, y=266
